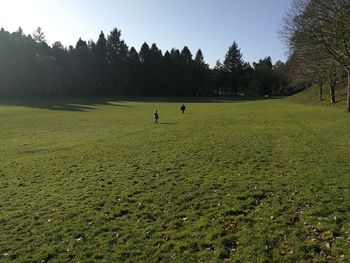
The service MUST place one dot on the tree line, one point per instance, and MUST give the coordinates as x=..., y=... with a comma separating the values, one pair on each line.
x=30, y=67
x=318, y=36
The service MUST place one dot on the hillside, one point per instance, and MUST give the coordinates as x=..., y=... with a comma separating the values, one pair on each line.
x=311, y=95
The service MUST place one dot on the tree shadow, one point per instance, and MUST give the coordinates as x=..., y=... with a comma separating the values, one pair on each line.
x=167, y=123
x=64, y=104
x=92, y=103
x=197, y=99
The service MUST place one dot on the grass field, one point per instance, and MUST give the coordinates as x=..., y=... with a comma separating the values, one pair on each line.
x=245, y=181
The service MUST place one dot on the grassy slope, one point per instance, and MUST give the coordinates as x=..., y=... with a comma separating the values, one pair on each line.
x=258, y=181
x=311, y=95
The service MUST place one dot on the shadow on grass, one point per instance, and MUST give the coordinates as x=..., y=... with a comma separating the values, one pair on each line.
x=64, y=104
x=86, y=104
x=196, y=99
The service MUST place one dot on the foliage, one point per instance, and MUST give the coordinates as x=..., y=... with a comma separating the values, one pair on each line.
x=29, y=67
x=318, y=35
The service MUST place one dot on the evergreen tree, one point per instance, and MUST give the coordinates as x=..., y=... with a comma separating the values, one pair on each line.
x=176, y=73
x=167, y=73
x=218, y=79
x=144, y=53
x=145, y=68
x=186, y=55
x=201, y=79
x=60, y=83
x=187, y=72
x=135, y=83
x=233, y=67
x=29, y=67
x=155, y=71
x=101, y=65
x=82, y=78
x=199, y=59
x=117, y=55
x=264, y=76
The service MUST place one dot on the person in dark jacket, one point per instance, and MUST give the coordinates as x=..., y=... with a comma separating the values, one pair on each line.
x=183, y=108
x=155, y=116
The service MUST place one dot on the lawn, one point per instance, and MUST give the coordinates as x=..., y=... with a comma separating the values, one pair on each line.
x=237, y=181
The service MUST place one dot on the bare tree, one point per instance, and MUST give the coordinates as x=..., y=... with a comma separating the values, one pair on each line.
x=310, y=64
x=323, y=23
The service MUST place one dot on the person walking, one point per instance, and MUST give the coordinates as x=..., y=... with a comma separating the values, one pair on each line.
x=183, y=108
x=155, y=116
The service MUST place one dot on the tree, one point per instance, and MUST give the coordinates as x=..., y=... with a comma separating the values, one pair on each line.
x=117, y=55
x=60, y=54
x=200, y=77
x=135, y=83
x=218, y=79
x=176, y=78
x=155, y=70
x=199, y=59
x=81, y=44
x=265, y=76
x=39, y=35
x=144, y=53
x=186, y=71
x=321, y=23
x=321, y=67
x=100, y=64
x=82, y=79
x=186, y=55
x=233, y=66
x=247, y=77
x=145, y=68
x=30, y=67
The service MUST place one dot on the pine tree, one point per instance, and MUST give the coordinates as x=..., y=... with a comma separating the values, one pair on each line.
x=101, y=47
x=133, y=55
x=233, y=67
x=199, y=59
x=233, y=59
x=155, y=71
x=186, y=55
x=82, y=77
x=200, y=74
x=117, y=54
x=135, y=84
x=101, y=65
x=264, y=76
x=145, y=76
x=144, y=53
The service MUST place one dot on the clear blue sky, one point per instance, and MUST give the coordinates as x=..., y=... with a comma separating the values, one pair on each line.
x=207, y=24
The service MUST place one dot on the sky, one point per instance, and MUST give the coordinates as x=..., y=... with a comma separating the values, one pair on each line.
x=211, y=25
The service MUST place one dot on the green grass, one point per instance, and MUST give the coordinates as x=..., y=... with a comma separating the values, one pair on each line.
x=246, y=181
